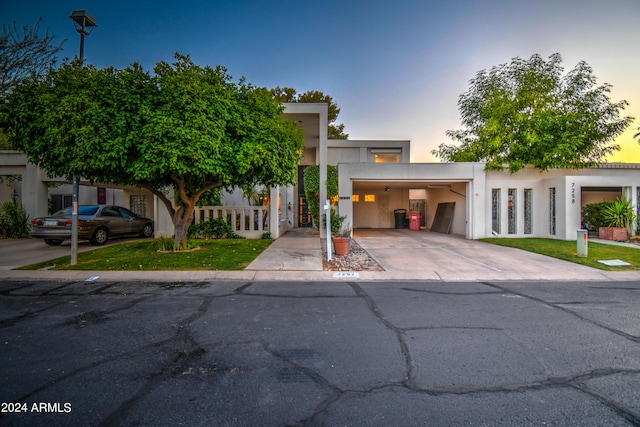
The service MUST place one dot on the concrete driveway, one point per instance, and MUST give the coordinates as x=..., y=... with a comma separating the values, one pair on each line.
x=407, y=254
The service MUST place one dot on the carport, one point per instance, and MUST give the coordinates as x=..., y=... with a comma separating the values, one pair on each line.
x=374, y=203
x=370, y=193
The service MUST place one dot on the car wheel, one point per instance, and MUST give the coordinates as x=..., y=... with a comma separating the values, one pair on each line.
x=147, y=231
x=99, y=237
x=53, y=242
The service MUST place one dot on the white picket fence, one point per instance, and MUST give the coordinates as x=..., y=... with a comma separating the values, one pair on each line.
x=246, y=221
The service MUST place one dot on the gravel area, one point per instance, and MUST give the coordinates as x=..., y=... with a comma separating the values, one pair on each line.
x=356, y=260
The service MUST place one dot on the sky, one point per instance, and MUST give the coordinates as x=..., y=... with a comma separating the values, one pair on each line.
x=395, y=68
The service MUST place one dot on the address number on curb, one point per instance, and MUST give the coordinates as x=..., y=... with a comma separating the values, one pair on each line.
x=350, y=274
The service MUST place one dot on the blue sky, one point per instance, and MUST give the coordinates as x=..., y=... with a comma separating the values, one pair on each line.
x=395, y=68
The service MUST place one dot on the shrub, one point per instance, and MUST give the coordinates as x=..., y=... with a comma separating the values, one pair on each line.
x=214, y=228
x=14, y=220
x=593, y=215
x=336, y=223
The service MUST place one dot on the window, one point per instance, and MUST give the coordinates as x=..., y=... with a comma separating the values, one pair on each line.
x=511, y=210
x=495, y=211
x=126, y=213
x=552, y=211
x=637, y=206
x=386, y=158
x=386, y=155
x=369, y=197
x=59, y=202
x=111, y=212
x=528, y=210
x=355, y=198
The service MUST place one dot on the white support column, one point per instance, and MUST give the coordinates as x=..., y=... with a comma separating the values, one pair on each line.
x=35, y=194
x=274, y=218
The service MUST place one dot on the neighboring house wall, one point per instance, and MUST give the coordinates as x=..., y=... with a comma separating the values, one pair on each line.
x=568, y=185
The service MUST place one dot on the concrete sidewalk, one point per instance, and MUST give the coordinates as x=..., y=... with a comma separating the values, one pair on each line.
x=403, y=254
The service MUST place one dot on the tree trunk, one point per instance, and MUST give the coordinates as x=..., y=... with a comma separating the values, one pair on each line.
x=182, y=219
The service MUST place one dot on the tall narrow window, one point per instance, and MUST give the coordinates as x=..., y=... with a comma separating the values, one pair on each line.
x=495, y=211
x=552, y=211
x=511, y=210
x=528, y=210
x=637, y=209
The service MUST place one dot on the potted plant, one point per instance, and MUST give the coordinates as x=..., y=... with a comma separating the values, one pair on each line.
x=341, y=237
x=618, y=215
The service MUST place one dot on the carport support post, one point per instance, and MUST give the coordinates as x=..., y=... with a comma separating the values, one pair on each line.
x=327, y=210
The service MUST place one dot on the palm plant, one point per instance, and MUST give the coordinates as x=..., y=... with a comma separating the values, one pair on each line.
x=619, y=213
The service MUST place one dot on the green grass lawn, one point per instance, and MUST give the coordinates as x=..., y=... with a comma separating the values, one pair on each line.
x=567, y=250
x=223, y=254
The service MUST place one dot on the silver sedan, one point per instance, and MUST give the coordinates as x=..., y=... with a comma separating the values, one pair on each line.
x=96, y=223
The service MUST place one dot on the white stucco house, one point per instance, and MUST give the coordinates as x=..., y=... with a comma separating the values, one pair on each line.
x=376, y=180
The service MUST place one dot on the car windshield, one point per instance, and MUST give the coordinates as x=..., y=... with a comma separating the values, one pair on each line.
x=82, y=210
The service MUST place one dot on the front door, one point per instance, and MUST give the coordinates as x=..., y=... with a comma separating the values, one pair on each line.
x=304, y=216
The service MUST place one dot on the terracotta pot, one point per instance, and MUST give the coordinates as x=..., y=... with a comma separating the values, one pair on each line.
x=341, y=245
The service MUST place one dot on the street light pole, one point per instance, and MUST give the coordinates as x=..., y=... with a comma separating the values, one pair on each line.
x=84, y=24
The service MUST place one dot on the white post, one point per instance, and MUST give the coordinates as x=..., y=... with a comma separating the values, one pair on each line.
x=327, y=209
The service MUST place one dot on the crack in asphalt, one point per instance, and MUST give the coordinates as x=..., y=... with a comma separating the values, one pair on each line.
x=188, y=352
x=620, y=410
x=559, y=306
x=409, y=364
x=408, y=381
x=425, y=291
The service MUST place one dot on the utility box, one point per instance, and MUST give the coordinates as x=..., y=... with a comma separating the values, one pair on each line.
x=414, y=220
x=583, y=243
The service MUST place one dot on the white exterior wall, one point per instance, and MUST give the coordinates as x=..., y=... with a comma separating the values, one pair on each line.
x=378, y=214
x=363, y=151
x=568, y=184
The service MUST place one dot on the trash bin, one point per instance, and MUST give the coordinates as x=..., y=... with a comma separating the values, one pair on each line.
x=400, y=217
x=414, y=220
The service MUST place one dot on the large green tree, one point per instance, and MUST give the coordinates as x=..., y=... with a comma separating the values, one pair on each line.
x=288, y=94
x=181, y=131
x=529, y=112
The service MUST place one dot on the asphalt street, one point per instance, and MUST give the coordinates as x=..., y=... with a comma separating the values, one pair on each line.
x=349, y=353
